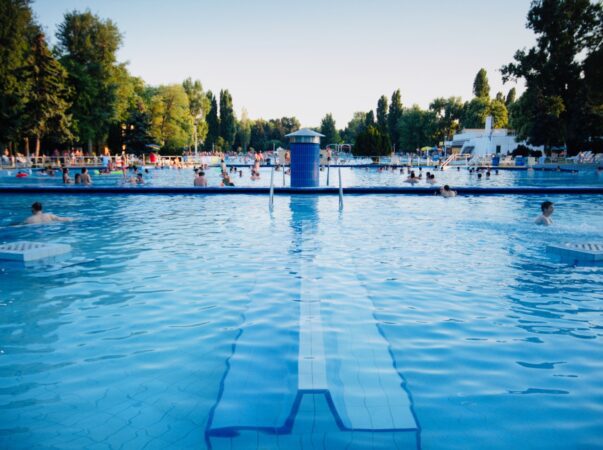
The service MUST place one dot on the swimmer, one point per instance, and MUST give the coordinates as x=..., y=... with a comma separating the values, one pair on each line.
x=226, y=181
x=547, y=211
x=78, y=178
x=412, y=178
x=37, y=216
x=66, y=177
x=86, y=177
x=200, y=179
x=445, y=191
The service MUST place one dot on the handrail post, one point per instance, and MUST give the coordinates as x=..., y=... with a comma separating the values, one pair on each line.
x=340, y=192
x=271, y=198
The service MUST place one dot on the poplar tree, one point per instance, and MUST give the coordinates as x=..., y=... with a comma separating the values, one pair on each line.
x=228, y=121
x=481, y=87
x=48, y=101
x=382, y=114
x=328, y=128
x=213, y=122
x=395, y=114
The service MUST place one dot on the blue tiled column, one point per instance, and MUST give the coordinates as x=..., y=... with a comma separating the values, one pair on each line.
x=305, y=160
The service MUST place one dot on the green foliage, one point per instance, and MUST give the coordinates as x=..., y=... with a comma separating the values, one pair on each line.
x=481, y=87
x=475, y=112
x=382, y=114
x=447, y=116
x=416, y=128
x=498, y=111
x=213, y=122
x=328, y=128
x=511, y=97
x=569, y=34
x=46, y=109
x=16, y=31
x=354, y=127
x=198, y=105
x=87, y=46
x=244, y=130
x=171, y=122
x=371, y=142
x=228, y=121
x=395, y=114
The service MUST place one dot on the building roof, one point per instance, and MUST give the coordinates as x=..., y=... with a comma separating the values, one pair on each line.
x=306, y=132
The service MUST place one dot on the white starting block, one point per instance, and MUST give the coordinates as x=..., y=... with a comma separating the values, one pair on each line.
x=580, y=252
x=30, y=251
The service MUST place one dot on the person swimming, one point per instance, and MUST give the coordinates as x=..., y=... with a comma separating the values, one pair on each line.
x=200, y=179
x=37, y=216
x=445, y=191
x=547, y=209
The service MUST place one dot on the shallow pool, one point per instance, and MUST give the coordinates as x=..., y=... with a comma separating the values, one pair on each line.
x=176, y=314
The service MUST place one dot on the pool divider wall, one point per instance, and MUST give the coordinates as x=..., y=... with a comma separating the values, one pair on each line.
x=401, y=190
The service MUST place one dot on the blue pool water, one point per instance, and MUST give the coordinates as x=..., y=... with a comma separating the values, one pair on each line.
x=350, y=177
x=174, y=314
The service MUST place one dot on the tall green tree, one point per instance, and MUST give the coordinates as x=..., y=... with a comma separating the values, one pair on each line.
x=213, y=122
x=499, y=113
x=87, y=46
x=394, y=115
x=416, y=128
x=568, y=34
x=481, y=87
x=511, y=97
x=228, y=121
x=48, y=100
x=475, y=112
x=198, y=107
x=447, y=116
x=354, y=127
x=244, y=130
x=371, y=142
x=382, y=114
x=328, y=128
x=171, y=122
x=16, y=31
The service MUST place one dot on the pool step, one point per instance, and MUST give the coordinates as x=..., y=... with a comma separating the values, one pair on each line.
x=582, y=252
x=344, y=363
x=25, y=251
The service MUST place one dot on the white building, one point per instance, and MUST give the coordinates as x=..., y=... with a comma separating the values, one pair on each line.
x=488, y=141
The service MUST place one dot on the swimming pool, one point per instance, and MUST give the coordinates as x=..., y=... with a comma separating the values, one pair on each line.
x=141, y=337
x=351, y=177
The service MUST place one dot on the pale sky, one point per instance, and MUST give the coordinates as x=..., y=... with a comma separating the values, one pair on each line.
x=305, y=59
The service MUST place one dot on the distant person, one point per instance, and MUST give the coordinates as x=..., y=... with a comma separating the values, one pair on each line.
x=200, y=179
x=445, y=191
x=78, y=178
x=37, y=216
x=66, y=177
x=86, y=177
x=226, y=181
x=547, y=211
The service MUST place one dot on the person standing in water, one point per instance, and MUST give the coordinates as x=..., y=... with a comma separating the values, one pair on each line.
x=547, y=209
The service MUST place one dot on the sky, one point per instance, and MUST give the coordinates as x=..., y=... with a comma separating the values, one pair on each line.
x=309, y=58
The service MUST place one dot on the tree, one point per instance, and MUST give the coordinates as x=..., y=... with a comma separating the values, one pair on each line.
x=328, y=128
x=46, y=108
x=16, y=30
x=382, y=114
x=244, y=130
x=369, y=119
x=87, y=47
x=371, y=142
x=198, y=106
x=475, y=112
x=395, y=114
x=481, y=88
x=569, y=33
x=416, y=128
x=511, y=97
x=354, y=127
x=213, y=121
x=228, y=121
x=498, y=111
x=171, y=123
x=447, y=117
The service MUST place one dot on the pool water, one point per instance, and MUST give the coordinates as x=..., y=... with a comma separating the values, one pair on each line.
x=349, y=177
x=170, y=307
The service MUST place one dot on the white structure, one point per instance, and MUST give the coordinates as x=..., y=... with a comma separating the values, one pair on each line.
x=488, y=141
